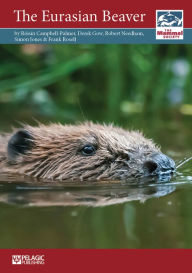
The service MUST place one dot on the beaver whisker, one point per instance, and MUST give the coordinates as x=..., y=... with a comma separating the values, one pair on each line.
x=185, y=161
x=122, y=170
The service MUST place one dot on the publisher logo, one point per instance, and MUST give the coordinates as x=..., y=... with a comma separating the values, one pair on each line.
x=16, y=259
x=28, y=259
x=169, y=24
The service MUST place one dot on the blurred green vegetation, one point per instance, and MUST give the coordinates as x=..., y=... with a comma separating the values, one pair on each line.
x=97, y=82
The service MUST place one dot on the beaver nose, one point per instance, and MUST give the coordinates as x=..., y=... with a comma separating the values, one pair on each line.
x=159, y=163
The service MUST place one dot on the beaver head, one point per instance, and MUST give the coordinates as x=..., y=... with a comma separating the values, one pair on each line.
x=84, y=152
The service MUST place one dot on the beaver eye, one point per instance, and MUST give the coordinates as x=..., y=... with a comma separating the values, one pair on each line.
x=88, y=150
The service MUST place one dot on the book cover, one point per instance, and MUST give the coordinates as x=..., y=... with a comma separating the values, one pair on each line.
x=95, y=136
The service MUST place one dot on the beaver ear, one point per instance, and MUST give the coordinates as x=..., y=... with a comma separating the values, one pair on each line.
x=19, y=143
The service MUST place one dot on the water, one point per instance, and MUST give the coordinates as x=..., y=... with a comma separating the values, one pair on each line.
x=110, y=215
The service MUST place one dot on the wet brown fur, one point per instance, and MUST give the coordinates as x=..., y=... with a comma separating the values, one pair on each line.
x=56, y=153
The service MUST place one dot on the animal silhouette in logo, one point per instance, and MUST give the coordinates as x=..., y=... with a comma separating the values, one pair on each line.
x=169, y=20
x=16, y=259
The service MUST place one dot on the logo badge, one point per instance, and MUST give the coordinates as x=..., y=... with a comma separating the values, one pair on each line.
x=28, y=259
x=169, y=24
x=16, y=259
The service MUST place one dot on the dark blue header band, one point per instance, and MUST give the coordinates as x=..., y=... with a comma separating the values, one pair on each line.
x=88, y=36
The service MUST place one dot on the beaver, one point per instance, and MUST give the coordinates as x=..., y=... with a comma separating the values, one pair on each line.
x=83, y=152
